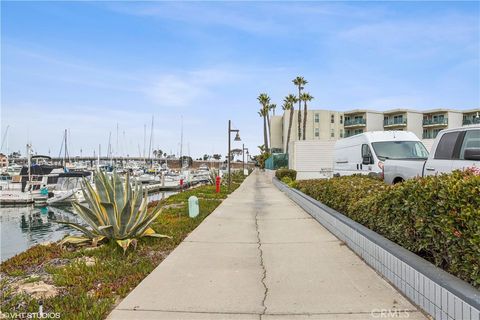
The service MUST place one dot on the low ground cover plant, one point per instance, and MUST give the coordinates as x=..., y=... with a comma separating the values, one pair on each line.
x=436, y=217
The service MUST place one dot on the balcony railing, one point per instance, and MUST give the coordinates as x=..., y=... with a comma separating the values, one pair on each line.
x=355, y=122
x=435, y=121
x=475, y=120
x=393, y=121
x=430, y=135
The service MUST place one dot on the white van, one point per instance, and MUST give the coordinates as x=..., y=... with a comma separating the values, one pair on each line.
x=365, y=153
x=453, y=149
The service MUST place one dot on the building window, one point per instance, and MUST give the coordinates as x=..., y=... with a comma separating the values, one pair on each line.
x=317, y=132
x=332, y=118
x=341, y=131
x=341, y=119
x=332, y=133
x=317, y=118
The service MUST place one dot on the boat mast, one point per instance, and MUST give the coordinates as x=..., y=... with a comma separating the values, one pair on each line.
x=5, y=138
x=124, y=145
x=98, y=160
x=29, y=161
x=6, y=149
x=116, y=148
x=65, y=150
x=109, y=150
x=144, y=141
x=181, y=139
x=150, y=144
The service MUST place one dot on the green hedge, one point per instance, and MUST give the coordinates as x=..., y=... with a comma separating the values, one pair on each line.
x=436, y=217
x=282, y=173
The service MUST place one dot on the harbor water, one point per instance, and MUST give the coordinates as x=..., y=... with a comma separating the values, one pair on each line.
x=25, y=226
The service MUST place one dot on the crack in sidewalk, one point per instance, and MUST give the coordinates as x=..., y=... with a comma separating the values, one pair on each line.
x=264, y=276
x=260, y=198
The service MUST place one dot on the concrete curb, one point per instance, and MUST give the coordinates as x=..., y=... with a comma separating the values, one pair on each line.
x=435, y=291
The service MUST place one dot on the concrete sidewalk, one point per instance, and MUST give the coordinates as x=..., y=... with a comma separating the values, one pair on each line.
x=260, y=256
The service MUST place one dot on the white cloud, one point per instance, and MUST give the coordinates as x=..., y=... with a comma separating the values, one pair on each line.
x=186, y=88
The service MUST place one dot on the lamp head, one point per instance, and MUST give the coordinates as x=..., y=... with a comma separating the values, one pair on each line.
x=237, y=137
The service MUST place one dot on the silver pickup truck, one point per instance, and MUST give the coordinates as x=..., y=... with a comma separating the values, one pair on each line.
x=453, y=149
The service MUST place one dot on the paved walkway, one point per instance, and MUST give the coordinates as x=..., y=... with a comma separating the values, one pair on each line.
x=260, y=256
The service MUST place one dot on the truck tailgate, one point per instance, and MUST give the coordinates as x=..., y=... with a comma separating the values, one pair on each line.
x=395, y=170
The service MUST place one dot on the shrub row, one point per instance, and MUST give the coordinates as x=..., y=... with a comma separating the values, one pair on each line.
x=436, y=217
x=282, y=173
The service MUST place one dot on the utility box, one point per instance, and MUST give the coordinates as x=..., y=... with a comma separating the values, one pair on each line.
x=193, y=207
x=312, y=159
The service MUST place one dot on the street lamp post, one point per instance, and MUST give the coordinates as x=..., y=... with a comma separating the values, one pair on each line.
x=243, y=155
x=237, y=138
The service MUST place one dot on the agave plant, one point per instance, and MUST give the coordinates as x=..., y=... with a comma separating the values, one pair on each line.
x=212, y=176
x=116, y=211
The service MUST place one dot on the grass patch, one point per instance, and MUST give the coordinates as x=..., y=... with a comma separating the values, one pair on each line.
x=91, y=291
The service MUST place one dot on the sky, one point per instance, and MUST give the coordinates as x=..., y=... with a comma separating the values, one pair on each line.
x=90, y=66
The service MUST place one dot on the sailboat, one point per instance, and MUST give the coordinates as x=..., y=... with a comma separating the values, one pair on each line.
x=28, y=187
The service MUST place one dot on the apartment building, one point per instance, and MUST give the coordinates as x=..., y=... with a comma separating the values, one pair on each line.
x=360, y=121
x=321, y=125
x=404, y=120
x=471, y=117
x=438, y=119
x=333, y=125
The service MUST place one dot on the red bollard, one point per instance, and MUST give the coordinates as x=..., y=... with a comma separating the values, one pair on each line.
x=217, y=184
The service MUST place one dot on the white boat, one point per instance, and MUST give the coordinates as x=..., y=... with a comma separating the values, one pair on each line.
x=170, y=182
x=203, y=168
x=62, y=197
x=15, y=197
x=12, y=169
x=147, y=178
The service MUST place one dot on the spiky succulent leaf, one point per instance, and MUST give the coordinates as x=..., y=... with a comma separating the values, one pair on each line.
x=151, y=233
x=75, y=240
x=125, y=243
x=80, y=228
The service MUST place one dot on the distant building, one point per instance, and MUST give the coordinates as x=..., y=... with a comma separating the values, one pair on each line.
x=360, y=121
x=3, y=160
x=471, y=117
x=404, y=120
x=321, y=125
x=438, y=119
x=333, y=125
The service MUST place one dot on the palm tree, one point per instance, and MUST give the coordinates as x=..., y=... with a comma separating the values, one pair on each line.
x=299, y=82
x=263, y=114
x=305, y=97
x=264, y=100
x=289, y=104
x=272, y=107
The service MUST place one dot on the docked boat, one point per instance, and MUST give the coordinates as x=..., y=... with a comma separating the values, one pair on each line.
x=36, y=182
